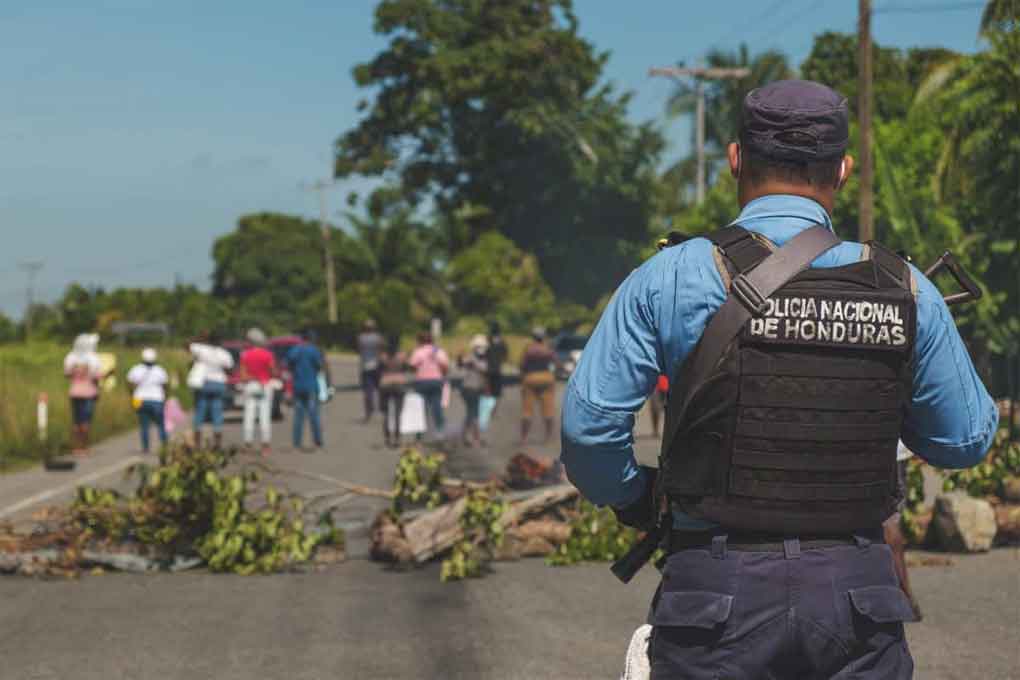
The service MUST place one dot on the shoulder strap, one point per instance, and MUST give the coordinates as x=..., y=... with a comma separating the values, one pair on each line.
x=892, y=264
x=747, y=297
x=741, y=250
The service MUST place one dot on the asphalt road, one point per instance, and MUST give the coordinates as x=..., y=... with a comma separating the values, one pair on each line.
x=362, y=620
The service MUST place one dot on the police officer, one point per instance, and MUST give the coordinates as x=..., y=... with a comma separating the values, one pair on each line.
x=797, y=361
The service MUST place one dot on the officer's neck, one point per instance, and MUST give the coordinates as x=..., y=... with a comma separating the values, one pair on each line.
x=747, y=192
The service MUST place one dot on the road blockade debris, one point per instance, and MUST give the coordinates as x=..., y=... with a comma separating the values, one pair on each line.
x=191, y=509
x=495, y=520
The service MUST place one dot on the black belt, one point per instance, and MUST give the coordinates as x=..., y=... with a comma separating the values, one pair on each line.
x=762, y=542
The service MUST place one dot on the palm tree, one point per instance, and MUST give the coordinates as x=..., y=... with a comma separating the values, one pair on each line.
x=1000, y=15
x=724, y=98
x=723, y=102
x=976, y=101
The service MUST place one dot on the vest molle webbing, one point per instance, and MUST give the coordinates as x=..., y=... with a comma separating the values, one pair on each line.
x=796, y=428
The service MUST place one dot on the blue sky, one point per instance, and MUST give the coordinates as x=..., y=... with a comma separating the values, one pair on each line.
x=135, y=132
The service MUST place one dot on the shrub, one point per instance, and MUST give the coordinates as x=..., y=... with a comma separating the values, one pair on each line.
x=595, y=536
x=190, y=505
x=483, y=536
x=987, y=478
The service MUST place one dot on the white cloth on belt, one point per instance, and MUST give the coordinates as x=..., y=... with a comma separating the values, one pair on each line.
x=637, y=666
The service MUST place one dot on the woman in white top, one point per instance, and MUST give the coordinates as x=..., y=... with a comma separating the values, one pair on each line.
x=208, y=377
x=149, y=396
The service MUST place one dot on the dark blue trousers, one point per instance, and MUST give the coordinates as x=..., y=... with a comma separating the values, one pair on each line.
x=725, y=614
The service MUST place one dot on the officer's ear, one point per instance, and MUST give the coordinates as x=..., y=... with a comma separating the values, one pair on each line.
x=733, y=153
x=845, y=168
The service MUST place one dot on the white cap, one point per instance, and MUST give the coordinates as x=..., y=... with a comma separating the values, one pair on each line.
x=149, y=355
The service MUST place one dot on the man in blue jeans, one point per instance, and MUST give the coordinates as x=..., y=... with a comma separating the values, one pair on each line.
x=796, y=361
x=306, y=363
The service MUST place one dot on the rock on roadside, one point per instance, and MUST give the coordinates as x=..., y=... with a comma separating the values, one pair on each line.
x=962, y=523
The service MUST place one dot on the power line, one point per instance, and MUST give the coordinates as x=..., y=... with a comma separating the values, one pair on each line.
x=777, y=28
x=924, y=9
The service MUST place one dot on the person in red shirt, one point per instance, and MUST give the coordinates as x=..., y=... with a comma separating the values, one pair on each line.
x=258, y=368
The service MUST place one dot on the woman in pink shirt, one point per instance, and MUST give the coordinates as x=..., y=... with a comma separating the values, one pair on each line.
x=430, y=364
x=82, y=368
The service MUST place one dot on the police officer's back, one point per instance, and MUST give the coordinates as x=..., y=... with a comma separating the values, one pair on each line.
x=791, y=386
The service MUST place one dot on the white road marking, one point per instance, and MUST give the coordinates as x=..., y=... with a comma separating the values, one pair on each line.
x=44, y=496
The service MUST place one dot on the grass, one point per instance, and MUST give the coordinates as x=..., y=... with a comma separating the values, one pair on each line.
x=29, y=370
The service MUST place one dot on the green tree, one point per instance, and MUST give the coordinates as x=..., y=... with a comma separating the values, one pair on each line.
x=833, y=61
x=496, y=280
x=272, y=264
x=8, y=330
x=492, y=113
x=1000, y=16
x=976, y=103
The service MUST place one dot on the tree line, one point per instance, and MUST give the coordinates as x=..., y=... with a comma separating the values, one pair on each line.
x=511, y=185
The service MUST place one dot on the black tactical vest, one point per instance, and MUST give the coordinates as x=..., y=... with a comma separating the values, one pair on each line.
x=796, y=428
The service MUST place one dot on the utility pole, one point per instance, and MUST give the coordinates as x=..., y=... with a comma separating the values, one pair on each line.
x=31, y=269
x=321, y=186
x=866, y=228
x=701, y=75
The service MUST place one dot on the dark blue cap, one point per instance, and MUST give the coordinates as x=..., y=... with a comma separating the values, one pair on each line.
x=796, y=120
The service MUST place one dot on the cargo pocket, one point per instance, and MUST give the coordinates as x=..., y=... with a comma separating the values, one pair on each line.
x=882, y=604
x=879, y=613
x=687, y=629
x=691, y=608
x=880, y=647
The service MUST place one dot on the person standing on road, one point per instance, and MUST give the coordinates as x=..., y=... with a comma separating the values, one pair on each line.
x=538, y=385
x=430, y=364
x=392, y=387
x=82, y=369
x=209, y=378
x=306, y=363
x=258, y=368
x=495, y=357
x=149, y=396
x=370, y=345
x=775, y=562
x=473, y=385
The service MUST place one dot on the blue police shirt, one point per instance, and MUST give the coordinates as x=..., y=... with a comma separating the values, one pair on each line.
x=305, y=362
x=658, y=315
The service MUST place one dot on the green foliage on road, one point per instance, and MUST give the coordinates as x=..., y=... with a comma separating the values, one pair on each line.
x=988, y=478
x=30, y=369
x=482, y=525
x=417, y=479
x=189, y=504
x=595, y=536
